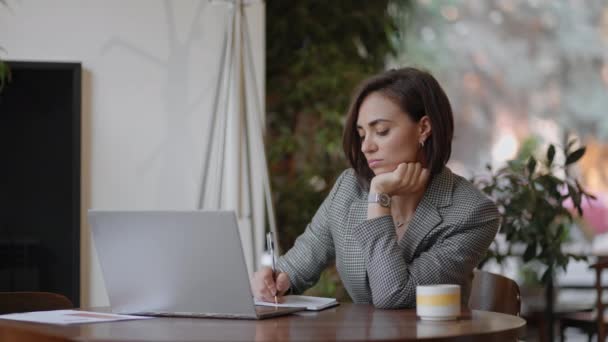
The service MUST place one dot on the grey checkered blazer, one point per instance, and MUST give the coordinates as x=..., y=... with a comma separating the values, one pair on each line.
x=451, y=230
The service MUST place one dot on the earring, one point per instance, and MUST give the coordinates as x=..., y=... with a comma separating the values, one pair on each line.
x=421, y=143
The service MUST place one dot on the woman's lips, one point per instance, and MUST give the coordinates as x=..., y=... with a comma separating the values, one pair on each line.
x=373, y=163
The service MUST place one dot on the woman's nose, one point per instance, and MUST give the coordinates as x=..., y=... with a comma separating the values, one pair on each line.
x=367, y=145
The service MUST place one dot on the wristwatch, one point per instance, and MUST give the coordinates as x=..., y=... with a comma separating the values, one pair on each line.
x=383, y=199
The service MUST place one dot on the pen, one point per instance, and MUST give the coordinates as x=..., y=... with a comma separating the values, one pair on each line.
x=270, y=244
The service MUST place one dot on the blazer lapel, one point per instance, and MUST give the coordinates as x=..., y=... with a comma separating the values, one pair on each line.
x=427, y=216
x=425, y=219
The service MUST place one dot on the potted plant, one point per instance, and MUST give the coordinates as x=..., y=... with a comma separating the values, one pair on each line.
x=532, y=196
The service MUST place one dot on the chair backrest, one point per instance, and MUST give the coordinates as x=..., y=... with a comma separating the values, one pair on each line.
x=494, y=292
x=14, y=302
x=600, y=306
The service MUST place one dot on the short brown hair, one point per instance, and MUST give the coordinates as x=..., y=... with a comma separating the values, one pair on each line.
x=417, y=93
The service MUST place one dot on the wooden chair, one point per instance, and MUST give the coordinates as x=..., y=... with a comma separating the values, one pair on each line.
x=14, y=302
x=592, y=322
x=494, y=292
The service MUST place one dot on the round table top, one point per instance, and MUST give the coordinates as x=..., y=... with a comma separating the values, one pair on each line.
x=347, y=322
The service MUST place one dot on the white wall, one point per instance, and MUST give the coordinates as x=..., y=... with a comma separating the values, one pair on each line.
x=149, y=78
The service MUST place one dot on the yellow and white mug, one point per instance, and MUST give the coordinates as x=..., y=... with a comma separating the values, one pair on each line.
x=438, y=302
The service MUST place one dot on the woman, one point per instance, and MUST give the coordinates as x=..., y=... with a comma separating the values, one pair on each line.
x=399, y=217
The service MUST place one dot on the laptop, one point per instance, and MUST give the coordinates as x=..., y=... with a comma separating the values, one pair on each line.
x=175, y=263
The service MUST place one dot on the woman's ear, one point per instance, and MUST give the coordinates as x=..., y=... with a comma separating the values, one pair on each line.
x=424, y=128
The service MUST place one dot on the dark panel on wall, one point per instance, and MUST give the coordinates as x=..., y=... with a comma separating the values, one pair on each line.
x=40, y=179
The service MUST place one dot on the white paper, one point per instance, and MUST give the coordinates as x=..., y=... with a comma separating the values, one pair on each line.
x=309, y=302
x=69, y=317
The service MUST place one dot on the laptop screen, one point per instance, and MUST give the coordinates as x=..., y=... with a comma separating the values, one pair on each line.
x=172, y=261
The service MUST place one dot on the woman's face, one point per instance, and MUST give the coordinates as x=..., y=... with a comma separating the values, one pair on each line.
x=388, y=135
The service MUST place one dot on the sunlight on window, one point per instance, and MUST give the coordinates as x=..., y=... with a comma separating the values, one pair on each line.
x=505, y=147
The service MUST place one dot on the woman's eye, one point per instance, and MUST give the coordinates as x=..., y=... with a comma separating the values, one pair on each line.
x=383, y=133
x=362, y=137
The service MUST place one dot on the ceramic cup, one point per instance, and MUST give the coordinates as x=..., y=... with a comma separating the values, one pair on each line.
x=438, y=302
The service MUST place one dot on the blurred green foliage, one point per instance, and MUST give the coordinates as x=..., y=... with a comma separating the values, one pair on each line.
x=317, y=52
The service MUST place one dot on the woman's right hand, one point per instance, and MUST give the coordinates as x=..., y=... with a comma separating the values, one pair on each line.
x=264, y=286
x=406, y=179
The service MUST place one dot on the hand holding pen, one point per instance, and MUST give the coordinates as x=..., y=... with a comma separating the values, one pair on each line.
x=268, y=285
x=270, y=244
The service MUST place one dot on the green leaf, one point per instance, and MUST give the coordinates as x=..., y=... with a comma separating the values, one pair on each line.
x=550, y=154
x=561, y=229
x=578, y=257
x=531, y=165
x=576, y=198
x=547, y=275
x=530, y=252
x=575, y=156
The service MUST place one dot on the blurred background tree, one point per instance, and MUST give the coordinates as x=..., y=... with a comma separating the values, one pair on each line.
x=511, y=67
x=317, y=52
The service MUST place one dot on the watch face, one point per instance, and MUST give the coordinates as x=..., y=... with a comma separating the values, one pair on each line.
x=384, y=200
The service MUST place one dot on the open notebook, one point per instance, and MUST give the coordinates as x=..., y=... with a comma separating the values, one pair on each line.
x=310, y=303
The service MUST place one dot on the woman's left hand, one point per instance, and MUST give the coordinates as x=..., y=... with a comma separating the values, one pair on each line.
x=407, y=178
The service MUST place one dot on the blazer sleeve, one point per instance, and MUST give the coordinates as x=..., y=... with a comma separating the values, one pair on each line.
x=313, y=250
x=451, y=258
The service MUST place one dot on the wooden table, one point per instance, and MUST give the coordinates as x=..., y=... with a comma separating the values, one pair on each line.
x=347, y=322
